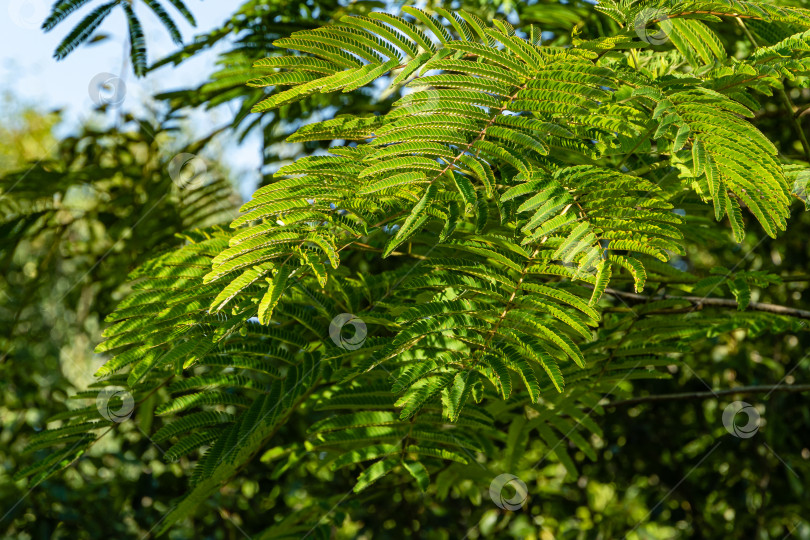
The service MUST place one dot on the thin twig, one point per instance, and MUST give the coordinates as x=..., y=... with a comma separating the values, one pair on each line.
x=705, y=395
x=700, y=301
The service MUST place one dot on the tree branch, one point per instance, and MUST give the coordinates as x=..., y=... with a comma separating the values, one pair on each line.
x=783, y=279
x=700, y=301
x=717, y=393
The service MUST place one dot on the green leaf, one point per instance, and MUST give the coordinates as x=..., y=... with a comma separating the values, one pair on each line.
x=82, y=31
x=165, y=19
x=137, y=41
x=275, y=290
x=416, y=218
x=419, y=473
x=374, y=473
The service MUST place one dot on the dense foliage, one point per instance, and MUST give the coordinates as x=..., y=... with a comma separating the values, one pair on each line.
x=473, y=269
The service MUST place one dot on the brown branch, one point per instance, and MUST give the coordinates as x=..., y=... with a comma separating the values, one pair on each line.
x=783, y=279
x=700, y=301
x=707, y=395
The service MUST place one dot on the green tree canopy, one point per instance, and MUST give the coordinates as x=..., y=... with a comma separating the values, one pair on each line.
x=528, y=282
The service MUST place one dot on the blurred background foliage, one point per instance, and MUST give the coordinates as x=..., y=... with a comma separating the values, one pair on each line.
x=26, y=135
x=79, y=212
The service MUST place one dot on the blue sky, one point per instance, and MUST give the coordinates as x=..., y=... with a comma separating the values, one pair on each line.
x=30, y=73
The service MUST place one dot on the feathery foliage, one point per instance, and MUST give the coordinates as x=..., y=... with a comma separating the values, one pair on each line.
x=84, y=30
x=508, y=188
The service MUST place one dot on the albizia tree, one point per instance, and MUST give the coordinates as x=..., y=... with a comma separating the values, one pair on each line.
x=458, y=288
